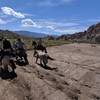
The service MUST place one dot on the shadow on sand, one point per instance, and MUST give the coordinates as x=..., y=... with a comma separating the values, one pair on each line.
x=50, y=58
x=21, y=63
x=46, y=67
x=7, y=75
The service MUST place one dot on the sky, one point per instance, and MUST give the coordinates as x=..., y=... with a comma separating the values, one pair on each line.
x=53, y=17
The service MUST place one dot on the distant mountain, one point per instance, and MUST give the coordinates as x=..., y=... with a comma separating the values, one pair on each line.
x=25, y=35
x=31, y=34
x=11, y=34
x=8, y=34
x=92, y=34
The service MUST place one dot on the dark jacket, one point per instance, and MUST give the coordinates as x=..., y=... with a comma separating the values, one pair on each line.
x=6, y=44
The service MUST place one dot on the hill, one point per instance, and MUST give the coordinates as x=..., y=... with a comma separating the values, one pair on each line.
x=8, y=34
x=22, y=34
x=92, y=34
x=31, y=34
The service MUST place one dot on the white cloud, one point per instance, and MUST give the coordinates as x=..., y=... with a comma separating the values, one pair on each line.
x=29, y=23
x=60, y=27
x=53, y=24
x=6, y=21
x=94, y=20
x=71, y=30
x=12, y=12
x=35, y=24
x=2, y=21
x=47, y=24
x=53, y=2
x=48, y=3
x=29, y=15
x=61, y=24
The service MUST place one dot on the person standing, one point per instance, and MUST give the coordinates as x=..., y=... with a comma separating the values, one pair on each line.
x=20, y=46
x=34, y=45
x=1, y=49
x=7, y=54
x=40, y=46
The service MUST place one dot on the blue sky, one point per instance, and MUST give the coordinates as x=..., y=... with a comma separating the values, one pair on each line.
x=49, y=16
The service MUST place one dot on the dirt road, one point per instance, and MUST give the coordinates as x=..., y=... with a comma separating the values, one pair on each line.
x=76, y=77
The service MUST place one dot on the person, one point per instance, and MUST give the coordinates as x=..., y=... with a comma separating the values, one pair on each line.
x=7, y=47
x=34, y=44
x=20, y=47
x=1, y=43
x=40, y=42
x=19, y=44
x=1, y=49
x=43, y=58
x=6, y=55
x=40, y=46
x=6, y=44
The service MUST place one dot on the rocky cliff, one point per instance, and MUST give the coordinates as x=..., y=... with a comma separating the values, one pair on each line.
x=92, y=34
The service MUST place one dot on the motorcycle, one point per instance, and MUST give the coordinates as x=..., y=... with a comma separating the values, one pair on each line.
x=21, y=57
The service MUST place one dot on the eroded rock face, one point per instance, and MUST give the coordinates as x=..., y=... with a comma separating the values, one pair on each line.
x=73, y=75
x=92, y=34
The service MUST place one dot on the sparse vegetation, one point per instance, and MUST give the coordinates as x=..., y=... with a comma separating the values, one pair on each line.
x=56, y=42
x=47, y=43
